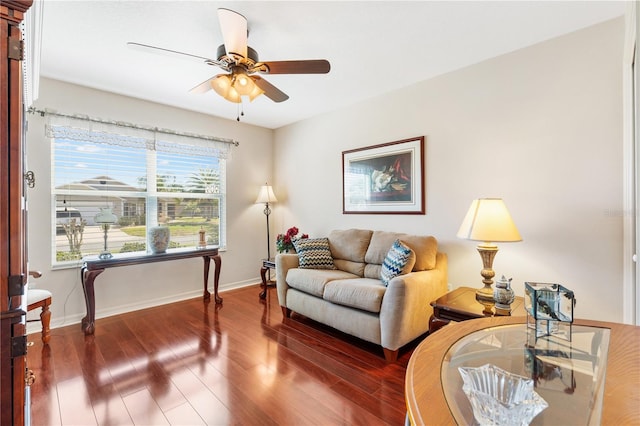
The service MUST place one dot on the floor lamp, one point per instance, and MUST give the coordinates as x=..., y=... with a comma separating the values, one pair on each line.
x=266, y=196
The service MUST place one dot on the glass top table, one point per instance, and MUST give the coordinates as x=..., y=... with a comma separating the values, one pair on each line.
x=429, y=400
x=569, y=375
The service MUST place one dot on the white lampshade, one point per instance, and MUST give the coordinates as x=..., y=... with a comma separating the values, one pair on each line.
x=255, y=92
x=223, y=86
x=233, y=87
x=489, y=220
x=243, y=84
x=105, y=216
x=266, y=195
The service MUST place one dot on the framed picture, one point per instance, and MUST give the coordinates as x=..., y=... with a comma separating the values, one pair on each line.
x=384, y=179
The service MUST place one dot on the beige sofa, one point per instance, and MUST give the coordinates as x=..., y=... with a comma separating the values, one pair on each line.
x=353, y=299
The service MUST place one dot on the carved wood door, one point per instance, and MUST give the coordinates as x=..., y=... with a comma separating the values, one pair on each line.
x=13, y=258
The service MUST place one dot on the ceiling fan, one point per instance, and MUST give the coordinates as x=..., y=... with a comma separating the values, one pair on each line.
x=241, y=64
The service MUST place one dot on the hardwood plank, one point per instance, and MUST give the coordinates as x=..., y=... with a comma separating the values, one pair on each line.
x=205, y=402
x=143, y=409
x=44, y=396
x=112, y=411
x=184, y=414
x=194, y=362
x=75, y=406
x=387, y=411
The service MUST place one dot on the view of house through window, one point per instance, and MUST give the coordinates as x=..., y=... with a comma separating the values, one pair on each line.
x=143, y=183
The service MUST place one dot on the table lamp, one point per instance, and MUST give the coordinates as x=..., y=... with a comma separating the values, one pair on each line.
x=266, y=196
x=488, y=221
x=105, y=219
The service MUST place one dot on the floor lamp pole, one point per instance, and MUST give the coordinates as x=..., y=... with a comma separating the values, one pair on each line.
x=267, y=212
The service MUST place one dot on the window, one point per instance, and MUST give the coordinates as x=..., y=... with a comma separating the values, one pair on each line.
x=144, y=177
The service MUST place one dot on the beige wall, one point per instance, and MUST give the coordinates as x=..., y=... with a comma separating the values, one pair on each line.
x=540, y=127
x=124, y=289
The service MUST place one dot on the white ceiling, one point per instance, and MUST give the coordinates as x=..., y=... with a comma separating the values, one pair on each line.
x=373, y=47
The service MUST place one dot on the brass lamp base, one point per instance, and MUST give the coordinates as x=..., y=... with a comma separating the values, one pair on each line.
x=484, y=295
x=485, y=298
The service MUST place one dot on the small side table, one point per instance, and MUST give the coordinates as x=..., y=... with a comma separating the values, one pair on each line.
x=267, y=265
x=461, y=305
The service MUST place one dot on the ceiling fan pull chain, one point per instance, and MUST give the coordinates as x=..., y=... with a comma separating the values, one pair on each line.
x=240, y=112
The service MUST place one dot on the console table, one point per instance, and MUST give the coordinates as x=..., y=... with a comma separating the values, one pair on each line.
x=93, y=266
x=426, y=397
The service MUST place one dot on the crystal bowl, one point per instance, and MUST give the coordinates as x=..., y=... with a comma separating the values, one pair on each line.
x=499, y=397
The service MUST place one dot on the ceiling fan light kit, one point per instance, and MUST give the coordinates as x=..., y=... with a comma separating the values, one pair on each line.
x=240, y=62
x=233, y=87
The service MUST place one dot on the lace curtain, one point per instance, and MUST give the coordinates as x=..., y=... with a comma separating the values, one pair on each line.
x=82, y=128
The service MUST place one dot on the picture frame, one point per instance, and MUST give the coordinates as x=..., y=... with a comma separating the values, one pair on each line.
x=384, y=179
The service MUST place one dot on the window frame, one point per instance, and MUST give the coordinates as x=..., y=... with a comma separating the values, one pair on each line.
x=216, y=148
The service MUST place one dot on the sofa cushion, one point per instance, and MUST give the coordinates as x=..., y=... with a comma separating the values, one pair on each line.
x=314, y=253
x=360, y=293
x=399, y=261
x=357, y=268
x=350, y=244
x=425, y=248
x=312, y=281
x=381, y=242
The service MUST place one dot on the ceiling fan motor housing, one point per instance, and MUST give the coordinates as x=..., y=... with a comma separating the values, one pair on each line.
x=235, y=58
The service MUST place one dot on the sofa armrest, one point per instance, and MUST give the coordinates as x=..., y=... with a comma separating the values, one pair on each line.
x=406, y=306
x=284, y=262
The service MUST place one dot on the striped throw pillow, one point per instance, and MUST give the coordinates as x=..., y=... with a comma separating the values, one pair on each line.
x=314, y=253
x=400, y=260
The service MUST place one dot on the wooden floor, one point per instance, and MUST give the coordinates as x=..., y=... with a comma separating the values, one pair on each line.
x=189, y=363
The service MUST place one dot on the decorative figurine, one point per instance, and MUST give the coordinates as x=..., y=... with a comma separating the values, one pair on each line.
x=503, y=295
x=203, y=241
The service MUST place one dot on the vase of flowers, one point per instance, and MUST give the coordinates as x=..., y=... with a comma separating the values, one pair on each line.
x=284, y=242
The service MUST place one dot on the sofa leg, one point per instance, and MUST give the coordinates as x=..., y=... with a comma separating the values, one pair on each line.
x=389, y=355
x=286, y=312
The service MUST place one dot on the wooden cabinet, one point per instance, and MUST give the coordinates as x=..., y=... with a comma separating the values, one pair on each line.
x=13, y=251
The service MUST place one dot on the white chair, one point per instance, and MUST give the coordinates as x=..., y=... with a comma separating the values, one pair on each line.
x=39, y=298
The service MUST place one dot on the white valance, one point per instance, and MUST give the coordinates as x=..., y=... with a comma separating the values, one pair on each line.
x=83, y=128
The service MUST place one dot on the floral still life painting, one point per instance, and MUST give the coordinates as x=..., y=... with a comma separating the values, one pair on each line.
x=284, y=242
x=386, y=178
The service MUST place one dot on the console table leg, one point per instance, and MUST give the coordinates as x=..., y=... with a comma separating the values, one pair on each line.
x=87, y=278
x=206, y=295
x=216, y=277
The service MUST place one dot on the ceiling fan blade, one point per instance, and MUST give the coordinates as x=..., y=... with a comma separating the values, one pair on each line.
x=270, y=91
x=234, y=32
x=311, y=66
x=205, y=86
x=162, y=51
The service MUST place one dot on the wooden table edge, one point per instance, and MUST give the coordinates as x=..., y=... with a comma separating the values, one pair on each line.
x=621, y=394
